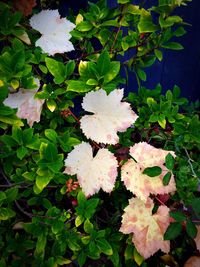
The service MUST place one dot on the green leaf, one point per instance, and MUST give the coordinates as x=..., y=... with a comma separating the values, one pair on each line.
x=179, y=32
x=51, y=135
x=92, y=82
x=43, y=68
x=3, y=91
x=81, y=198
x=191, y=229
x=17, y=134
x=82, y=258
x=173, y=46
x=152, y=171
x=142, y=75
x=113, y=72
x=104, y=246
x=158, y=54
x=90, y=207
x=88, y=226
x=6, y=213
x=2, y=197
x=70, y=67
x=167, y=178
x=78, y=86
x=79, y=220
x=169, y=162
x=42, y=181
x=22, y=152
x=51, y=104
x=123, y=1
x=49, y=152
x=103, y=63
x=162, y=121
x=178, y=216
x=84, y=26
x=57, y=69
x=11, y=194
x=137, y=257
x=196, y=206
x=173, y=231
x=146, y=24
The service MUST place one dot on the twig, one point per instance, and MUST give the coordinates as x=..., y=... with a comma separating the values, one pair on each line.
x=189, y=162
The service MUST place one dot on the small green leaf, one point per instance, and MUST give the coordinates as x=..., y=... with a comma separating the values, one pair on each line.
x=57, y=69
x=79, y=220
x=84, y=26
x=104, y=246
x=15, y=84
x=78, y=86
x=173, y=46
x=51, y=104
x=6, y=213
x=152, y=171
x=178, y=216
x=137, y=257
x=158, y=54
x=196, y=206
x=103, y=63
x=173, y=231
x=162, y=121
x=88, y=227
x=22, y=152
x=142, y=75
x=92, y=82
x=42, y=181
x=51, y=135
x=191, y=229
x=113, y=72
x=169, y=162
x=167, y=178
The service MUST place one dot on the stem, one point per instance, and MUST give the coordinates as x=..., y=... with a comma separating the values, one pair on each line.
x=190, y=163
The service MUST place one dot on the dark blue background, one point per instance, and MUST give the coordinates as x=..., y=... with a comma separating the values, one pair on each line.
x=178, y=67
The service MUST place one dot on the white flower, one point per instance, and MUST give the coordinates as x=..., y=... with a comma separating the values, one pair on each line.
x=28, y=107
x=93, y=173
x=55, y=32
x=110, y=116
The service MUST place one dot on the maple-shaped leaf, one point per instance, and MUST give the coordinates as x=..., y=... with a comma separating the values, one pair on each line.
x=110, y=116
x=148, y=229
x=193, y=261
x=197, y=238
x=27, y=106
x=92, y=173
x=141, y=184
x=55, y=32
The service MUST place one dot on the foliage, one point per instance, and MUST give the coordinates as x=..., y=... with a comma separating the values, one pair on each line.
x=48, y=215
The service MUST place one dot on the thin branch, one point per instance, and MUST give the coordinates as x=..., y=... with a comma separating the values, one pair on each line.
x=190, y=163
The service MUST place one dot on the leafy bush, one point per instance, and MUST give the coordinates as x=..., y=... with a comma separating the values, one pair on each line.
x=116, y=181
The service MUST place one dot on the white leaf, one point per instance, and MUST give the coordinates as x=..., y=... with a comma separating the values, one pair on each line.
x=55, y=32
x=28, y=107
x=110, y=116
x=93, y=173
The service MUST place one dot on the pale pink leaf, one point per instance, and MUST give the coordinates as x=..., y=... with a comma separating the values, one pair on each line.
x=141, y=184
x=27, y=106
x=148, y=230
x=92, y=173
x=55, y=31
x=193, y=261
x=110, y=116
x=197, y=238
